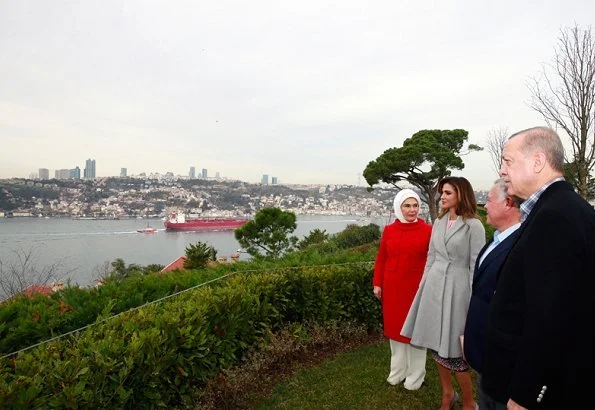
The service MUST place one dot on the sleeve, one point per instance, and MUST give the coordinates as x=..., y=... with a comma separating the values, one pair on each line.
x=555, y=263
x=477, y=240
x=381, y=260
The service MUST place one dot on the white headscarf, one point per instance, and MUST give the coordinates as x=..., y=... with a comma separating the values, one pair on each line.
x=403, y=195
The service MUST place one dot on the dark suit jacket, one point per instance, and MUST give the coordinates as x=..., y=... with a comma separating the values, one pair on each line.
x=540, y=334
x=485, y=278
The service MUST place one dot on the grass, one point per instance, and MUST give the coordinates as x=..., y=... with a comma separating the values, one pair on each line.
x=355, y=380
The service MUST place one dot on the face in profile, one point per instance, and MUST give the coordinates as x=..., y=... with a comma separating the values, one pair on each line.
x=410, y=209
x=516, y=169
x=448, y=197
x=494, y=207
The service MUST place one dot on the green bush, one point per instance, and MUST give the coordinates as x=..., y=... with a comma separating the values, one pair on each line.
x=355, y=235
x=162, y=354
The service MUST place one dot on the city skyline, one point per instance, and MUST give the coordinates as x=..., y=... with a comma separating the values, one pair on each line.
x=309, y=92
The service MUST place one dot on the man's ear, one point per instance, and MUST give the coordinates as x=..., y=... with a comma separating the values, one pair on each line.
x=539, y=162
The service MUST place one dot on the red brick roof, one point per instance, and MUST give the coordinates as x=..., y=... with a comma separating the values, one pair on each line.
x=178, y=264
x=41, y=289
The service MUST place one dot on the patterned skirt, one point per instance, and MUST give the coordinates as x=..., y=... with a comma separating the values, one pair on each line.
x=456, y=364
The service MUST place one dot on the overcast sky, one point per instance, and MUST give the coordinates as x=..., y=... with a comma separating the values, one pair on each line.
x=308, y=91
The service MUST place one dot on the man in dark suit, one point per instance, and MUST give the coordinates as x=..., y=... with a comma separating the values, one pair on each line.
x=540, y=340
x=504, y=215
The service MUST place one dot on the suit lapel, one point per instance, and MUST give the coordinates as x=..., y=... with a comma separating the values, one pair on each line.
x=495, y=254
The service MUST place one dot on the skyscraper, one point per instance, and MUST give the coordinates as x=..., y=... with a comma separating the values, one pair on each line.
x=192, y=173
x=75, y=173
x=44, y=173
x=274, y=180
x=265, y=179
x=123, y=172
x=62, y=173
x=204, y=173
x=89, y=172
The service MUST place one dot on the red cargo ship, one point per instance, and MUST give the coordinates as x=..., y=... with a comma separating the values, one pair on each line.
x=178, y=222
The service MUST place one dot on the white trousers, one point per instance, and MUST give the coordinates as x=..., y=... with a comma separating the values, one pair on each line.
x=407, y=363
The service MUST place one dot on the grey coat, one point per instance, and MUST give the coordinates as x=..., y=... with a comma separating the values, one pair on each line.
x=437, y=316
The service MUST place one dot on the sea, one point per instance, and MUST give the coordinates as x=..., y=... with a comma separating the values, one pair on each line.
x=82, y=249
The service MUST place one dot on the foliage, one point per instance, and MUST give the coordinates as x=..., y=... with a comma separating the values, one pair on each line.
x=425, y=158
x=198, y=255
x=267, y=234
x=489, y=229
x=355, y=235
x=571, y=173
x=163, y=354
x=315, y=236
x=564, y=95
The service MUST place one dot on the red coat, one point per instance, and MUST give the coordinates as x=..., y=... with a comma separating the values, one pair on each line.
x=398, y=270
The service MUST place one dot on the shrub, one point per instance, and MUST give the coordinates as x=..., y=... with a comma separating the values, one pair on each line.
x=161, y=354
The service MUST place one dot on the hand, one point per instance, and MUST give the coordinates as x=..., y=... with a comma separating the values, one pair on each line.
x=378, y=292
x=512, y=405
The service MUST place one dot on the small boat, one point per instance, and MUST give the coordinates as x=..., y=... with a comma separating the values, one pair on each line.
x=147, y=230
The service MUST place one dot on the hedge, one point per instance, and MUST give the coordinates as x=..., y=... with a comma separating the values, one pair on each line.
x=161, y=355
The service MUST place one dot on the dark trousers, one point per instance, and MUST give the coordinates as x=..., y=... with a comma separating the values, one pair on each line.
x=485, y=402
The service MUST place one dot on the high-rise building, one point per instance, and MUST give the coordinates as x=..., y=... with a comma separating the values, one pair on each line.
x=217, y=175
x=62, y=173
x=89, y=172
x=274, y=180
x=44, y=173
x=75, y=173
x=265, y=179
x=204, y=173
x=123, y=172
x=192, y=173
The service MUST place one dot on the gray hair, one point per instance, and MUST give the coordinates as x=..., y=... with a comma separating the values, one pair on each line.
x=502, y=193
x=546, y=140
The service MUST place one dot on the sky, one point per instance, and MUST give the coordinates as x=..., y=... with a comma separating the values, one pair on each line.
x=307, y=91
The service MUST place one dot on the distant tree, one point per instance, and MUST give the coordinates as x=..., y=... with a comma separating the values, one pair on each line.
x=571, y=173
x=564, y=95
x=267, y=234
x=23, y=271
x=425, y=158
x=315, y=236
x=496, y=140
x=198, y=255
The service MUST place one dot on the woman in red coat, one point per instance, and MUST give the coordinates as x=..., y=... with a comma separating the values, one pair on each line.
x=398, y=270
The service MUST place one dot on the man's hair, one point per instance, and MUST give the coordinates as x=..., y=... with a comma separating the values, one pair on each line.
x=466, y=205
x=546, y=140
x=502, y=194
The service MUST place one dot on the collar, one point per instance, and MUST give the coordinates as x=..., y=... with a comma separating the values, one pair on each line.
x=529, y=203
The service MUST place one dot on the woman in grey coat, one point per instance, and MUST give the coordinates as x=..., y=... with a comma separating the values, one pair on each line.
x=437, y=316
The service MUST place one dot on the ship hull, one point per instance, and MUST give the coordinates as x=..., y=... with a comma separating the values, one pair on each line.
x=205, y=225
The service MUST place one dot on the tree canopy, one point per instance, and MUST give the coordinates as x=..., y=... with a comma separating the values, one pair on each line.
x=425, y=158
x=267, y=234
